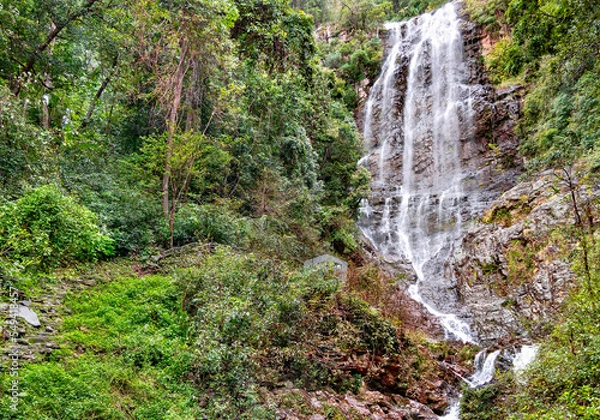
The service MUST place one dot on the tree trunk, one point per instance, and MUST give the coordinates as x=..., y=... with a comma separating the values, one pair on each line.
x=47, y=85
x=172, y=122
x=98, y=94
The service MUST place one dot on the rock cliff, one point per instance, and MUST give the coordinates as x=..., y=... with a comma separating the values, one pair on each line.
x=511, y=268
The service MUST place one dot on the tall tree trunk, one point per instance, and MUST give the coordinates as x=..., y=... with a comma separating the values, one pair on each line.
x=172, y=122
x=47, y=85
x=99, y=92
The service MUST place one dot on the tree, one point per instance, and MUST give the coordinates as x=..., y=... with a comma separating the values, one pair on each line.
x=183, y=46
x=26, y=40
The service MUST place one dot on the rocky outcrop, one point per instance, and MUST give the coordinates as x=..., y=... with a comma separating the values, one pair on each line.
x=490, y=145
x=320, y=405
x=511, y=268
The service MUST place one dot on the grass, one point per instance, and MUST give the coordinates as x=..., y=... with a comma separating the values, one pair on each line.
x=123, y=355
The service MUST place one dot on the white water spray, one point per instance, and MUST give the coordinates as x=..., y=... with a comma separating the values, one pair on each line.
x=419, y=216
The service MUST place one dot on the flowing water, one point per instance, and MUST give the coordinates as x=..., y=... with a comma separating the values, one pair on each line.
x=484, y=368
x=418, y=118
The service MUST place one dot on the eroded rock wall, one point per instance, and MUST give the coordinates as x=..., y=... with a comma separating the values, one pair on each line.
x=511, y=268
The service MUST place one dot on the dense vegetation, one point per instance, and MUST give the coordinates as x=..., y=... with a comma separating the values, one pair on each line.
x=200, y=107
x=552, y=47
x=164, y=169
x=184, y=157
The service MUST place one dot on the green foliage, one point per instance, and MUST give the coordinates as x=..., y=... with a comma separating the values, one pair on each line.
x=44, y=228
x=486, y=13
x=320, y=10
x=377, y=333
x=405, y=9
x=553, y=46
x=481, y=403
x=270, y=31
x=565, y=379
x=364, y=15
x=114, y=191
x=260, y=304
x=565, y=127
x=24, y=148
x=208, y=223
x=123, y=353
x=353, y=61
x=231, y=105
x=195, y=162
x=504, y=61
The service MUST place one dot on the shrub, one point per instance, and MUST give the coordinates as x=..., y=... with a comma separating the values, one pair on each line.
x=377, y=333
x=48, y=229
x=207, y=222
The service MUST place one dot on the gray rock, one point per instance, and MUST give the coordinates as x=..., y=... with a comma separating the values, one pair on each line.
x=28, y=315
x=508, y=270
x=40, y=338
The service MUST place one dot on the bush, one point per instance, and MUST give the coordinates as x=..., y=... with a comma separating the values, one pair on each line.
x=261, y=308
x=47, y=229
x=504, y=61
x=481, y=403
x=376, y=332
x=207, y=222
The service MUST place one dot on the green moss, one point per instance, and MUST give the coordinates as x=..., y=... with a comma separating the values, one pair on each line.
x=123, y=353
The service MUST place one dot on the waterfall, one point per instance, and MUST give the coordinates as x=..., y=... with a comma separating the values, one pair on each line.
x=484, y=368
x=485, y=365
x=417, y=119
x=418, y=127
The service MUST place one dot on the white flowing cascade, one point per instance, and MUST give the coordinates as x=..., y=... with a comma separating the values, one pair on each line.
x=421, y=218
x=484, y=368
x=418, y=113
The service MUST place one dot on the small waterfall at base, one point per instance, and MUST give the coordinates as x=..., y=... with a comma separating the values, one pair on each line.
x=485, y=365
x=417, y=119
x=484, y=368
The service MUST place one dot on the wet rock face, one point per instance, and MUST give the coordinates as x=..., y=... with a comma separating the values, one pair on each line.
x=488, y=141
x=511, y=267
x=441, y=148
x=489, y=146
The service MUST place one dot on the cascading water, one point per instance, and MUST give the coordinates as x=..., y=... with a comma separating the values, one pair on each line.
x=417, y=118
x=418, y=126
x=485, y=365
x=484, y=368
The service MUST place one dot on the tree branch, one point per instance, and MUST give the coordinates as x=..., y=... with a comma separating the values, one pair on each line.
x=49, y=38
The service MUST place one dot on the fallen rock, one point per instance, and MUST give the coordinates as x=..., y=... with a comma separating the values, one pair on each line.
x=28, y=315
